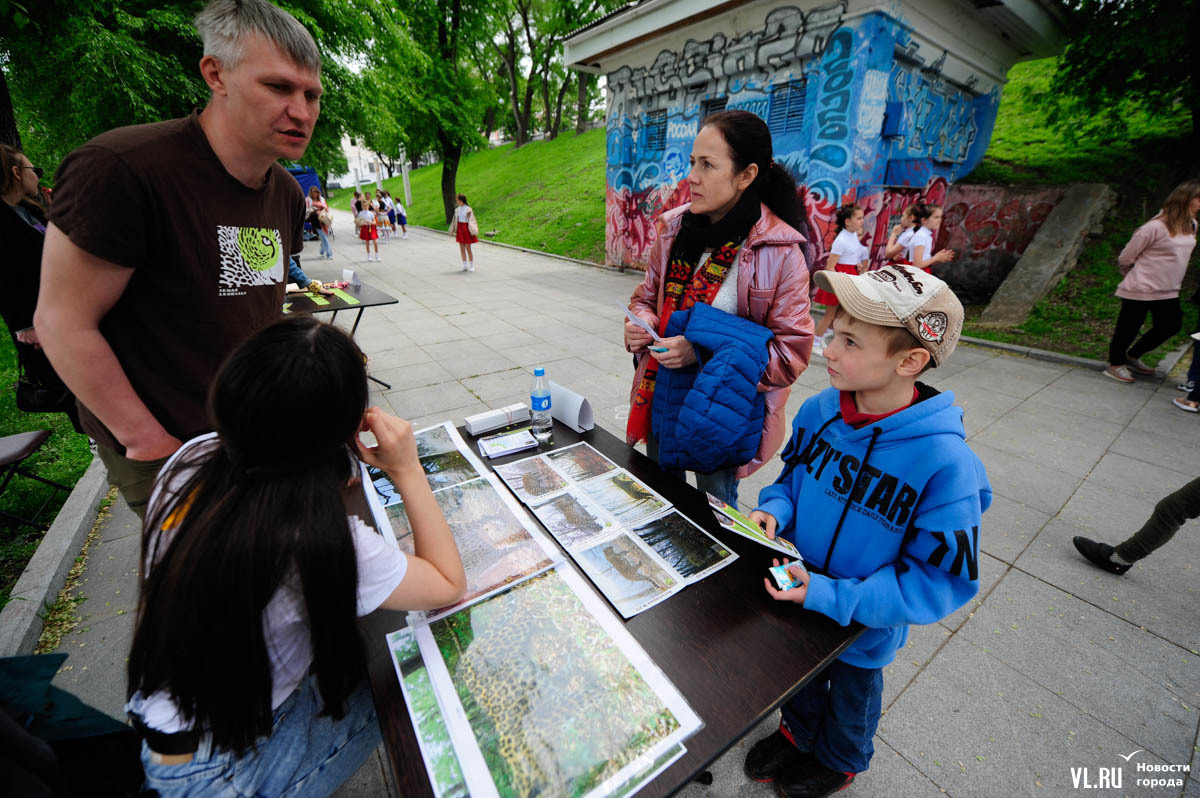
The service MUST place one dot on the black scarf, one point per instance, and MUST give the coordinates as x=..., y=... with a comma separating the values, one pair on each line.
x=697, y=233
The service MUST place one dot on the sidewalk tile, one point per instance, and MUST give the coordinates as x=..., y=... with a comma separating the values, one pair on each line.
x=1129, y=679
x=1158, y=593
x=1038, y=486
x=1008, y=527
x=976, y=726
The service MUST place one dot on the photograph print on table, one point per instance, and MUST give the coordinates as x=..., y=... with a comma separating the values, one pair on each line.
x=554, y=697
x=532, y=479
x=684, y=546
x=580, y=462
x=444, y=456
x=628, y=575
x=433, y=738
x=496, y=545
x=573, y=519
x=628, y=500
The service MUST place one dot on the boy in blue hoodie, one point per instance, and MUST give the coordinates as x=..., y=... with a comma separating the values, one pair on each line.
x=882, y=496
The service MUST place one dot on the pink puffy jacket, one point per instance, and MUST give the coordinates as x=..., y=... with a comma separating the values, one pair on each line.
x=772, y=291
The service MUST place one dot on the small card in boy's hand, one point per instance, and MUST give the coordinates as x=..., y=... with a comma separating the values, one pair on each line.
x=783, y=578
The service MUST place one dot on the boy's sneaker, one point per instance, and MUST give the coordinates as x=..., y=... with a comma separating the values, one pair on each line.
x=812, y=781
x=774, y=755
x=1099, y=554
x=1186, y=387
x=1138, y=366
x=1119, y=373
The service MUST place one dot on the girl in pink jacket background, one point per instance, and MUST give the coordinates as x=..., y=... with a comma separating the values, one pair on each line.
x=1153, y=262
x=734, y=246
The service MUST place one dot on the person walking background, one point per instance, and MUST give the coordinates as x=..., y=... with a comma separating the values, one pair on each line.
x=1168, y=516
x=466, y=232
x=847, y=255
x=318, y=213
x=1153, y=264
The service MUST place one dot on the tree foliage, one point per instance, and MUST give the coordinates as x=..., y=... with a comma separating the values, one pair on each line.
x=76, y=69
x=1104, y=72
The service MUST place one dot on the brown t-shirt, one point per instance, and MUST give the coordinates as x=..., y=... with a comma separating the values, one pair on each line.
x=210, y=258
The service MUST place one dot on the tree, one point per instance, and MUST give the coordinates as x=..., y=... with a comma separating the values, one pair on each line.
x=1103, y=73
x=76, y=69
x=444, y=110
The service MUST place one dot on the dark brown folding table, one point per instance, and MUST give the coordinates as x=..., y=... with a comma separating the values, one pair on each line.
x=734, y=653
x=362, y=296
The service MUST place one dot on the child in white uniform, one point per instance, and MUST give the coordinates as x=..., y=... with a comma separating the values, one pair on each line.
x=920, y=246
x=848, y=255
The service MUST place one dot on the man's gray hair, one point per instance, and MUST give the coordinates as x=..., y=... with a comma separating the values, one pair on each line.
x=223, y=25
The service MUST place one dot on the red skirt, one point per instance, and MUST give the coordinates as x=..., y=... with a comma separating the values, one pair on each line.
x=368, y=233
x=463, y=234
x=828, y=299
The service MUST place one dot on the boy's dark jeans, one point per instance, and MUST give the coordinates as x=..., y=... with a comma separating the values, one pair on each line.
x=1167, y=318
x=836, y=714
x=1169, y=514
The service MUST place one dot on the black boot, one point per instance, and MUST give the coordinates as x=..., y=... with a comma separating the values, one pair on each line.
x=1100, y=555
x=773, y=755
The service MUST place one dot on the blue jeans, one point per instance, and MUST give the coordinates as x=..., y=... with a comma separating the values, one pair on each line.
x=723, y=484
x=304, y=754
x=836, y=714
x=326, y=250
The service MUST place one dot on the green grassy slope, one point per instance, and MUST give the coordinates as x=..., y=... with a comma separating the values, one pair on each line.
x=1077, y=317
x=547, y=195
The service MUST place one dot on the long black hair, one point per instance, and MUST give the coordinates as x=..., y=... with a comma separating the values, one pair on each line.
x=259, y=512
x=749, y=141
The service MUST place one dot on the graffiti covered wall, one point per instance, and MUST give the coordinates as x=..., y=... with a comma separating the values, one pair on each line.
x=859, y=111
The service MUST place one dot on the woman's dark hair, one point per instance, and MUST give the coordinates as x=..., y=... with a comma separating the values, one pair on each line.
x=463, y=197
x=845, y=213
x=260, y=512
x=749, y=141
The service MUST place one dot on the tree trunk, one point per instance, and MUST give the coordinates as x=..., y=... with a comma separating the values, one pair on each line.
x=562, y=92
x=451, y=153
x=526, y=111
x=8, y=117
x=581, y=109
x=489, y=122
x=509, y=57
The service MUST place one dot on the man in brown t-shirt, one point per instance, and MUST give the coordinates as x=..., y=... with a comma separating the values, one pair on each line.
x=169, y=243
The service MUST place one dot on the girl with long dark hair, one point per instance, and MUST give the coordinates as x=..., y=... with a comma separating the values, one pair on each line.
x=247, y=671
x=1154, y=263
x=734, y=247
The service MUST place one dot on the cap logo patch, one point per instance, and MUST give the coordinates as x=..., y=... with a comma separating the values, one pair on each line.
x=885, y=277
x=932, y=326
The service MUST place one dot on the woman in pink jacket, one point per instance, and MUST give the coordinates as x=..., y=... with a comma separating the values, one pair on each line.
x=736, y=248
x=1153, y=262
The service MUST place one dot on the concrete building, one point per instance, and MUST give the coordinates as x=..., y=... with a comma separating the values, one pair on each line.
x=868, y=101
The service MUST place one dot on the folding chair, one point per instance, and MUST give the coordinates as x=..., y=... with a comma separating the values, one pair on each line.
x=14, y=449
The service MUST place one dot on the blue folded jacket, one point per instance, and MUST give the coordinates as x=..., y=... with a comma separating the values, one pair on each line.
x=709, y=415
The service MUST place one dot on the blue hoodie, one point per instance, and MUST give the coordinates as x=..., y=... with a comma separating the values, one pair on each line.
x=907, y=548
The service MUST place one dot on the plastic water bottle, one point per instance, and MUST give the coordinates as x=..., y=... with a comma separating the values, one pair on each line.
x=539, y=405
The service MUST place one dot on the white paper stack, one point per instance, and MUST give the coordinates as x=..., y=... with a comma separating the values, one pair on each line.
x=495, y=419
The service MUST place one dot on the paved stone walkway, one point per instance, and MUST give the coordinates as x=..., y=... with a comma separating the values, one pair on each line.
x=1055, y=666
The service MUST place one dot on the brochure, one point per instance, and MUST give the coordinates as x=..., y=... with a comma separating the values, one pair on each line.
x=507, y=443
x=733, y=520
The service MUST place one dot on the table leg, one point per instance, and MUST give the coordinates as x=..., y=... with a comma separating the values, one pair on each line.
x=381, y=382
x=357, y=319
